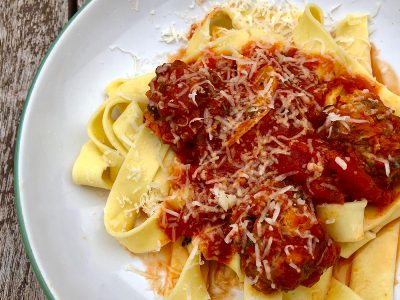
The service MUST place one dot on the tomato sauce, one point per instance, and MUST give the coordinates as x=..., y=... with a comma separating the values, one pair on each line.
x=264, y=138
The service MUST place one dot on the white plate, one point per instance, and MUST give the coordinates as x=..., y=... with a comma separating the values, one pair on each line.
x=61, y=223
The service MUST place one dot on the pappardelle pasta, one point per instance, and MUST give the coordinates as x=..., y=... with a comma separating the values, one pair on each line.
x=266, y=153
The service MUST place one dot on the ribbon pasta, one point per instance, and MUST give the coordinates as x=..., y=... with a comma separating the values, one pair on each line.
x=124, y=156
x=190, y=284
x=136, y=174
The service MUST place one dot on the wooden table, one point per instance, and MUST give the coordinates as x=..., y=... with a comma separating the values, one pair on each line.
x=27, y=28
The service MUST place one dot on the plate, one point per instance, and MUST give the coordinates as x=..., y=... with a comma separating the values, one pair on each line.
x=61, y=223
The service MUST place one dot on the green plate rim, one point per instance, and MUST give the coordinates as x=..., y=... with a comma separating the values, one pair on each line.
x=20, y=216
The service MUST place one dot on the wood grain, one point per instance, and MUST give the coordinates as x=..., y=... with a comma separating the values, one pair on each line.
x=80, y=3
x=27, y=27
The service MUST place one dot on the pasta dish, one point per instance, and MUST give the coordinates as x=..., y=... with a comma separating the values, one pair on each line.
x=266, y=150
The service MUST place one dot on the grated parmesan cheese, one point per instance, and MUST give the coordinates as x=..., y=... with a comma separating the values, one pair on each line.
x=385, y=163
x=341, y=163
x=171, y=35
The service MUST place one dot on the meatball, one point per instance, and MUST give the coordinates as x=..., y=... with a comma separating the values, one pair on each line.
x=290, y=248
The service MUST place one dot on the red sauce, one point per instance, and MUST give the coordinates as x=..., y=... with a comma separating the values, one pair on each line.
x=286, y=152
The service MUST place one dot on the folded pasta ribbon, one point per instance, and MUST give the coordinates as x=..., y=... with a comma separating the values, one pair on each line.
x=310, y=35
x=112, y=130
x=133, y=181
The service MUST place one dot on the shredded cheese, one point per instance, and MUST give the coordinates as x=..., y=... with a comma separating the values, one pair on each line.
x=341, y=163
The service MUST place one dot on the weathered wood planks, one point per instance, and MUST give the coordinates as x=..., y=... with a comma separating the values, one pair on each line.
x=27, y=27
